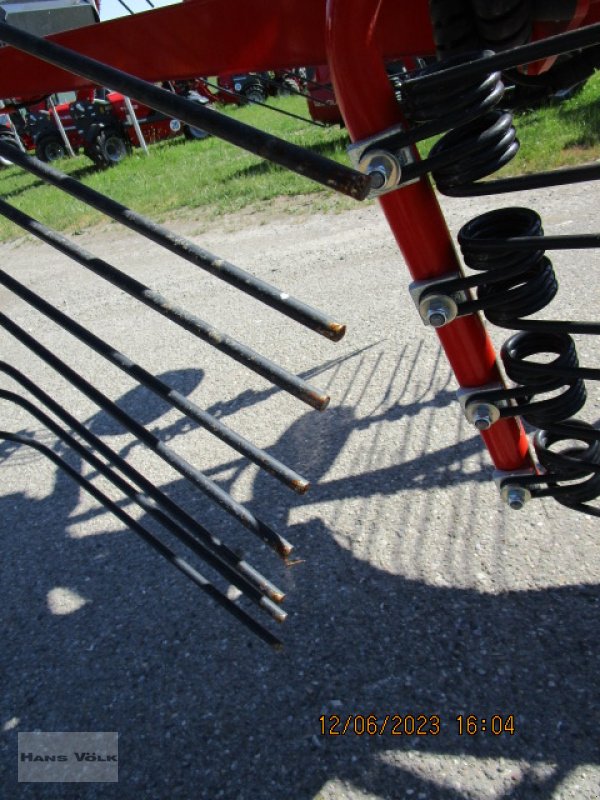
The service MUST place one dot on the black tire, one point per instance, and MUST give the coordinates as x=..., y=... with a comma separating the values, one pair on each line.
x=194, y=133
x=463, y=25
x=287, y=87
x=189, y=131
x=255, y=93
x=50, y=148
x=8, y=138
x=454, y=27
x=108, y=148
x=503, y=24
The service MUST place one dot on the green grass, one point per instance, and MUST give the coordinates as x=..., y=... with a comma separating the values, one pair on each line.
x=562, y=134
x=211, y=178
x=208, y=174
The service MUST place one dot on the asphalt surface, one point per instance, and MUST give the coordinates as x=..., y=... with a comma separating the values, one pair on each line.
x=413, y=591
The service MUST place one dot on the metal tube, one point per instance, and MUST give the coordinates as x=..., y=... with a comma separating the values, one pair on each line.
x=136, y=125
x=149, y=538
x=304, y=162
x=186, y=249
x=61, y=128
x=143, y=502
x=193, y=475
x=15, y=133
x=203, y=539
x=157, y=302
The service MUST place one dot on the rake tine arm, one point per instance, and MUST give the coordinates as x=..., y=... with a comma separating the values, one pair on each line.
x=263, y=459
x=147, y=505
x=149, y=538
x=184, y=319
x=184, y=248
x=194, y=528
x=193, y=475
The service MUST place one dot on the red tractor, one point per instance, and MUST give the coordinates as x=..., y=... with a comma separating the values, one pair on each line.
x=101, y=126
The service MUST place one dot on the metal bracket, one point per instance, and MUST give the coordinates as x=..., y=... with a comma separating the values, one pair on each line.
x=384, y=166
x=437, y=308
x=513, y=493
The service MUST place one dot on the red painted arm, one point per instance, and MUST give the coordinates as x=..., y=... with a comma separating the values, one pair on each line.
x=197, y=38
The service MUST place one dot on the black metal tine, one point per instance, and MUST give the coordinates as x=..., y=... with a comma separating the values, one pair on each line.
x=149, y=538
x=191, y=473
x=180, y=246
x=194, y=528
x=190, y=322
x=311, y=165
x=174, y=398
x=130, y=491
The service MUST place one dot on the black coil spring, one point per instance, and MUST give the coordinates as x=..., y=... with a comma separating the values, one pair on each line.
x=514, y=279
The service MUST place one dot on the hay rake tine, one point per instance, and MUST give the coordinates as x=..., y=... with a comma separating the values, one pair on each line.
x=193, y=475
x=180, y=246
x=203, y=539
x=154, y=542
x=311, y=165
x=263, y=459
x=130, y=491
x=190, y=322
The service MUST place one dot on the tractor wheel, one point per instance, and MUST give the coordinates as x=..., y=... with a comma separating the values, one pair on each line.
x=108, y=148
x=454, y=27
x=462, y=25
x=288, y=86
x=194, y=133
x=50, y=148
x=7, y=138
x=188, y=130
x=503, y=24
x=255, y=93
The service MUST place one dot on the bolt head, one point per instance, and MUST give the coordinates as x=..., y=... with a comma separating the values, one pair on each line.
x=437, y=318
x=482, y=418
x=382, y=168
x=437, y=310
x=482, y=423
x=516, y=498
x=378, y=178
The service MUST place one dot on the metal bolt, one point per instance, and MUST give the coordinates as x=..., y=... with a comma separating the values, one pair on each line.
x=437, y=310
x=482, y=418
x=382, y=168
x=378, y=177
x=437, y=318
x=516, y=497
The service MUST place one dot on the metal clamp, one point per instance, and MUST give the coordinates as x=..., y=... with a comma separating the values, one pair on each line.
x=511, y=491
x=437, y=308
x=383, y=164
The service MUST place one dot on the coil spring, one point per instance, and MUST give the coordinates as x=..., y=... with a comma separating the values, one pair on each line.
x=514, y=279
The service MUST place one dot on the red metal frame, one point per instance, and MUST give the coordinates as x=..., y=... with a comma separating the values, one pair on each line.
x=197, y=38
x=369, y=106
x=210, y=37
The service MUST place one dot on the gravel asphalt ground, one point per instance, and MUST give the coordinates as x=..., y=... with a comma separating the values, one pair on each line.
x=413, y=590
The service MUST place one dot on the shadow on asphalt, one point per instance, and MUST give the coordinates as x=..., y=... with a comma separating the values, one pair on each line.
x=203, y=711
